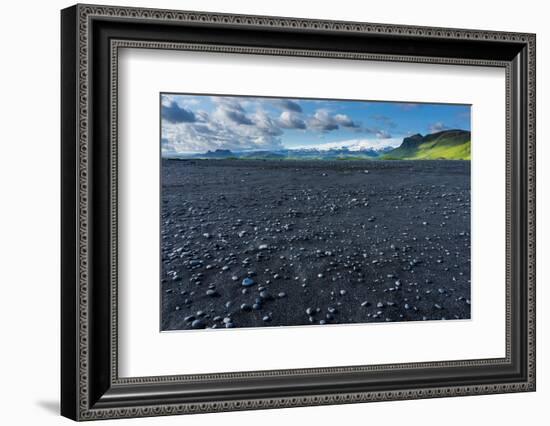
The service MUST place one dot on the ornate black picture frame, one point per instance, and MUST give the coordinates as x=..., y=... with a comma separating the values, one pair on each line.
x=91, y=387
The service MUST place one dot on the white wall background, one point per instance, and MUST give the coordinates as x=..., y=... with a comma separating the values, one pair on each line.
x=29, y=212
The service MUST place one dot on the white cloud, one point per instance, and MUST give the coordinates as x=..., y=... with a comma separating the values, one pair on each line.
x=291, y=120
x=228, y=127
x=322, y=121
x=345, y=121
x=438, y=127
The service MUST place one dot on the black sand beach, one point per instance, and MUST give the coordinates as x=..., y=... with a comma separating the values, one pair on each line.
x=249, y=243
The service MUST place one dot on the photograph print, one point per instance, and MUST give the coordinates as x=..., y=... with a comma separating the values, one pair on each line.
x=312, y=212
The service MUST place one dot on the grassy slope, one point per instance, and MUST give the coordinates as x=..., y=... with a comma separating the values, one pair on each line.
x=431, y=151
x=439, y=148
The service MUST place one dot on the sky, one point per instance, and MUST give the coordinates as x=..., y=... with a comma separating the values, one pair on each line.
x=199, y=123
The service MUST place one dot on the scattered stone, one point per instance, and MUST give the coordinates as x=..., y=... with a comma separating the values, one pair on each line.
x=248, y=282
x=198, y=323
x=245, y=307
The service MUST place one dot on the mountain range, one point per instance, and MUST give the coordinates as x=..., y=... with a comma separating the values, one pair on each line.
x=444, y=145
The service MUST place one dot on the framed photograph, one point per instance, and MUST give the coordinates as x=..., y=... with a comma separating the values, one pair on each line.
x=263, y=212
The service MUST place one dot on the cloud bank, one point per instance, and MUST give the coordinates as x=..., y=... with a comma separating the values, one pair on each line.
x=198, y=123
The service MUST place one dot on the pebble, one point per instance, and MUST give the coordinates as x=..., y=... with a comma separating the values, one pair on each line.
x=198, y=323
x=248, y=282
x=246, y=307
x=265, y=295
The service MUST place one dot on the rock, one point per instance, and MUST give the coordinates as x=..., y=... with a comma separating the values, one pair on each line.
x=265, y=295
x=365, y=303
x=212, y=293
x=248, y=282
x=198, y=323
x=266, y=318
x=379, y=305
x=281, y=295
x=263, y=247
x=343, y=292
x=246, y=307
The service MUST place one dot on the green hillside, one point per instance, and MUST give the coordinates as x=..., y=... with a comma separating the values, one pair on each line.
x=445, y=145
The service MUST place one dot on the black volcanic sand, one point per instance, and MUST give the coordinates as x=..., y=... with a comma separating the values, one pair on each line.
x=323, y=242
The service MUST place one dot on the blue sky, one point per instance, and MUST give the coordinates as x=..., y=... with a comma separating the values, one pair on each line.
x=198, y=123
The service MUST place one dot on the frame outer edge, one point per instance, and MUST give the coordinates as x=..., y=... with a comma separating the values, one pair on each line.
x=69, y=221
x=81, y=318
